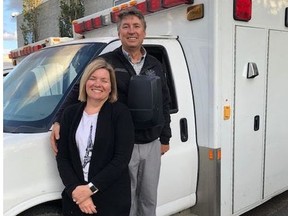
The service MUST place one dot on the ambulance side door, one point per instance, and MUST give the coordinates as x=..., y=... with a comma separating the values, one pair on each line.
x=178, y=177
x=179, y=166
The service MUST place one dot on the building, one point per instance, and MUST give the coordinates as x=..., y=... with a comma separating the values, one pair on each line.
x=49, y=11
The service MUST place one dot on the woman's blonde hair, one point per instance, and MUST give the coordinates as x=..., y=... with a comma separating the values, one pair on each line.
x=91, y=68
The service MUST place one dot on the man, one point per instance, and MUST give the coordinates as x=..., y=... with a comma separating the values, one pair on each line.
x=130, y=59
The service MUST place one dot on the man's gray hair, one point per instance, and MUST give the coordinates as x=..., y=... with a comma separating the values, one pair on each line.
x=130, y=12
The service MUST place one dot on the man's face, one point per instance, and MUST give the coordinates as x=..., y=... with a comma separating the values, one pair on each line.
x=131, y=33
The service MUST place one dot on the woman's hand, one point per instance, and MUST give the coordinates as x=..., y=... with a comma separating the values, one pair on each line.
x=81, y=193
x=88, y=206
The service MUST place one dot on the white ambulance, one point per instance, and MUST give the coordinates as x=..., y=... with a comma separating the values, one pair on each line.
x=227, y=71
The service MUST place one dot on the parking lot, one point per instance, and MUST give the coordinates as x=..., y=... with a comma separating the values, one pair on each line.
x=277, y=206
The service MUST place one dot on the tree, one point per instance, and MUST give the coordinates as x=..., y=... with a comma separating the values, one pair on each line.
x=70, y=10
x=29, y=27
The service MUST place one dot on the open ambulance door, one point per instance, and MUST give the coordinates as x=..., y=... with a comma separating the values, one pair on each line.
x=179, y=166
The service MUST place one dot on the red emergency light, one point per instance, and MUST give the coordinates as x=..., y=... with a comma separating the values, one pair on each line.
x=114, y=16
x=29, y=49
x=154, y=5
x=116, y=10
x=37, y=47
x=172, y=3
x=25, y=51
x=88, y=25
x=79, y=27
x=142, y=7
x=97, y=22
x=242, y=10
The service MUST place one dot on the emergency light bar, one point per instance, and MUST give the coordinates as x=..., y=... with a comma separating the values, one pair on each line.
x=26, y=50
x=111, y=15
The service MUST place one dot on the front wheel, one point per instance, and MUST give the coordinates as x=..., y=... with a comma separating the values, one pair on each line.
x=44, y=210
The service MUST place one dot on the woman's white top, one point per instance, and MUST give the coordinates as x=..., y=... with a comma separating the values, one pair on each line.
x=85, y=136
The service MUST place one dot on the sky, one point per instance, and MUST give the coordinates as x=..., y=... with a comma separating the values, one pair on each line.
x=9, y=24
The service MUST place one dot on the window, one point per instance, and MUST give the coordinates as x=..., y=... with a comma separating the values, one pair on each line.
x=39, y=83
x=160, y=53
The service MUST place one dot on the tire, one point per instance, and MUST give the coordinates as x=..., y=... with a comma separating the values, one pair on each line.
x=44, y=210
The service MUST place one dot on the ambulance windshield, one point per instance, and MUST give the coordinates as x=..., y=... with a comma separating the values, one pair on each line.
x=38, y=85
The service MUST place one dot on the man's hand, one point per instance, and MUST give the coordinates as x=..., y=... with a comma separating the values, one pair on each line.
x=55, y=135
x=87, y=206
x=164, y=148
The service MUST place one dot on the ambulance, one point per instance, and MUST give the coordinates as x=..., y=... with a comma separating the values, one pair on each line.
x=226, y=66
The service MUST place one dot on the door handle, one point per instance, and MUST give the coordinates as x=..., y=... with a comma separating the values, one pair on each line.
x=252, y=70
x=183, y=129
x=256, y=123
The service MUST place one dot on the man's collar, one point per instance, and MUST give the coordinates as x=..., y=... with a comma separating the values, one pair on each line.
x=127, y=55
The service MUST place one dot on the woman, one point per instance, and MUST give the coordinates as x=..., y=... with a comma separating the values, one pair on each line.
x=95, y=146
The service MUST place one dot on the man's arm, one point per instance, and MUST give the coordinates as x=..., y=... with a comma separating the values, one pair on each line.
x=71, y=98
x=166, y=131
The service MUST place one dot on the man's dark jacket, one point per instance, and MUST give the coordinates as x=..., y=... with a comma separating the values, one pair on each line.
x=123, y=71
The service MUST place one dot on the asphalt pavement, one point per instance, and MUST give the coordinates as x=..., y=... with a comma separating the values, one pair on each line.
x=277, y=206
